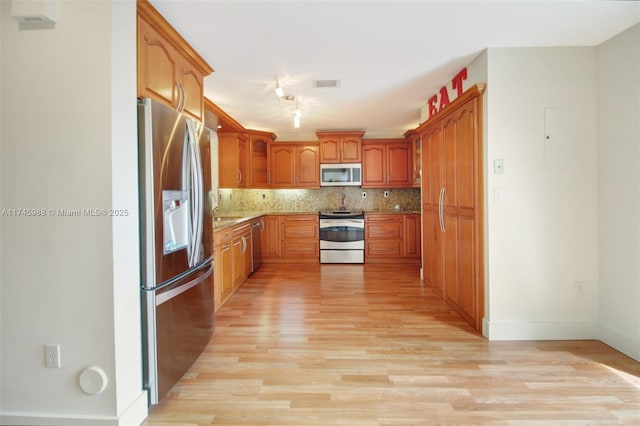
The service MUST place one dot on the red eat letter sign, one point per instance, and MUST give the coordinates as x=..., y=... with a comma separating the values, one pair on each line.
x=444, y=97
x=433, y=108
x=457, y=80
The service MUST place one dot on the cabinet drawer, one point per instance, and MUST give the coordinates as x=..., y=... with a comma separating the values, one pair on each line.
x=383, y=218
x=391, y=230
x=386, y=248
x=298, y=231
x=222, y=236
x=300, y=227
x=242, y=229
x=301, y=248
x=298, y=218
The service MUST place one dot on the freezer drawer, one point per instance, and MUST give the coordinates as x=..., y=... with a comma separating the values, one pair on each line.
x=179, y=324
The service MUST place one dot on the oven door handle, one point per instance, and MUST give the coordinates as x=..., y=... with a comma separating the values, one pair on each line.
x=332, y=221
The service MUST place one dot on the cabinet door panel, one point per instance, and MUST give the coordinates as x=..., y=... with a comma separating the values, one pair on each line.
x=307, y=167
x=466, y=267
x=330, y=150
x=193, y=86
x=237, y=262
x=412, y=235
x=374, y=170
x=433, y=239
x=465, y=161
x=451, y=259
x=271, y=237
x=157, y=65
x=242, y=162
x=225, y=266
x=399, y=163
x=351, y=150
x=449, y=145
x=433, y=166
x=232, y=160
x=246, y=256
x=282, y=166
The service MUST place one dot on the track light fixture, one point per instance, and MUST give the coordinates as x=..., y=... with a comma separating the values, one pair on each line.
x=297, y=111
x=291, y=98
x=279, y=90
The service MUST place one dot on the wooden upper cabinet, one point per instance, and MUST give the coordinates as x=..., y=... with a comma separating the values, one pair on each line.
x=387, y=163
x=191, y=82
x=169, y=70
x=157, y=67
x=232, y=159
x=307, y=166
x=282, y=165
x=415, y=139
x=258, y=169
x=340, y=147
x=295, y=165
x=374, y=166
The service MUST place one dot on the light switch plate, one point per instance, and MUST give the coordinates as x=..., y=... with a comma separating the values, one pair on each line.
x=498, y=166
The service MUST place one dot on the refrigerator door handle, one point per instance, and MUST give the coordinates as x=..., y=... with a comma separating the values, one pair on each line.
x=168, y=295
x=197, y=195
x=177, y=278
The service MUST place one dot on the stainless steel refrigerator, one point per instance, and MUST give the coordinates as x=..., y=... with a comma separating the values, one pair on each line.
x=176, y=243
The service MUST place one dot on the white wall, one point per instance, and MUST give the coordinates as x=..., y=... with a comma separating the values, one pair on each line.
x=68, y=142
x=541, y=212
x=618, y=71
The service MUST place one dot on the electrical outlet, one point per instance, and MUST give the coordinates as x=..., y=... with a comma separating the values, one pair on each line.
x=386, y=194
x=52, y=356
x=364, y=195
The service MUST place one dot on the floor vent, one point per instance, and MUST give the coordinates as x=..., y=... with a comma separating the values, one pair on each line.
x=325, y=83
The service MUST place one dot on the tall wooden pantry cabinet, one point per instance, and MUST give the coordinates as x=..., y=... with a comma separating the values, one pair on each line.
x=452, y=176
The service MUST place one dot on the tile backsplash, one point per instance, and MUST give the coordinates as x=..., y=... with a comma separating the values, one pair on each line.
x=303, y=200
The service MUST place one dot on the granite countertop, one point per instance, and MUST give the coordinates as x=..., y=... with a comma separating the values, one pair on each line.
x=391, y=211
x=225, y=219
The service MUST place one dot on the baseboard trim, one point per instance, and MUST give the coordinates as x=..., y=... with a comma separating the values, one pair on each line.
x=135, y=414
x=540, y=330
x=619, y=341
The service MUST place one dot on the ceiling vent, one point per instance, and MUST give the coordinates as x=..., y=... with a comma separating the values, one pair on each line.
x=325, y=83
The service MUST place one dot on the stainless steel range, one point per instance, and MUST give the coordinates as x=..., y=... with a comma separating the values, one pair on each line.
x=341, y=236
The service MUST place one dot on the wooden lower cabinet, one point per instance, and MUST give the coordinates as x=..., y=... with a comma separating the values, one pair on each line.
x=271, y=238
x=300, y=237
x=232, y=260
x=412, y=236
x=392, y=238
x=291, y=238
x=241, y=254
x=223, y=282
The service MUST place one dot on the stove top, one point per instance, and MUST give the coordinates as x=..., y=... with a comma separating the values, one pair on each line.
x=341, y=213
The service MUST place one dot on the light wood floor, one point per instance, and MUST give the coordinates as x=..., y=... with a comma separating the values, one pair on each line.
x=370, y=345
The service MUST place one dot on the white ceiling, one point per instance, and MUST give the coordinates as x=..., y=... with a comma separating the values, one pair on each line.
x=390, y=56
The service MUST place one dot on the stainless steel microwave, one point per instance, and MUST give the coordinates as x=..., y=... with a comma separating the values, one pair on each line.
x=349, y=174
